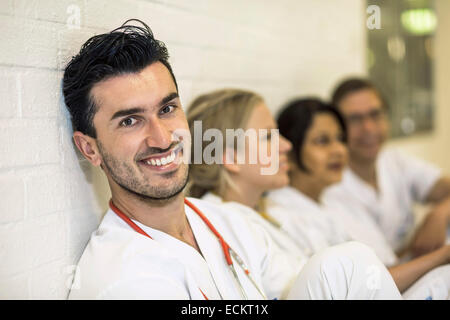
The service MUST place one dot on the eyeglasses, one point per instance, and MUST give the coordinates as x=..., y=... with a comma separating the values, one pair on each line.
x=357, y=119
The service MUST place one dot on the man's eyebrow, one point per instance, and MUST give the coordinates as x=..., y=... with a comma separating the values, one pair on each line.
x=127, y=112
x=169, y=97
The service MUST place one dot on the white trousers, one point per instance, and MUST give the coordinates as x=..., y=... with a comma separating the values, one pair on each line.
x=349, y=271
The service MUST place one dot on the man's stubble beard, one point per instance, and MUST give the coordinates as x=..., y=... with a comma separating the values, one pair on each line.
x=125, y=177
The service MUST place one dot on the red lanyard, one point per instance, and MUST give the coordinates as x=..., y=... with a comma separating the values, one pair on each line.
x=135, y=227
x=224, y=244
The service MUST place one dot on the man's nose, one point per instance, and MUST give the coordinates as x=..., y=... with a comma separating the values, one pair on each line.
x=158, y=135
x=369, y=125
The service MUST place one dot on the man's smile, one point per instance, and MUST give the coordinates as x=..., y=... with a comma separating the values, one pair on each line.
x=166, y=161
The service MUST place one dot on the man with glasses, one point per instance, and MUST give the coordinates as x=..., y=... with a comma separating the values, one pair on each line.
x=386, y=183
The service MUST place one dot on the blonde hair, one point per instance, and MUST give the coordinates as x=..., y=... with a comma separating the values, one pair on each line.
x=222, y=109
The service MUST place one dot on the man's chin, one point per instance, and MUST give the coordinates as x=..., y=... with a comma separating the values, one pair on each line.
x=169, y=190
x=166, y=196
x=156, y=192
x=159, y=195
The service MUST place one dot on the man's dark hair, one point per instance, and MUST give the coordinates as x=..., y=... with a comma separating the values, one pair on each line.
x=352, y=85
x=127, y=49
x=296, y=118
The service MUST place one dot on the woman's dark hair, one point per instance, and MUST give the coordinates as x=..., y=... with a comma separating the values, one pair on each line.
x=127, y=49
x=352, y=85
x=296, y=118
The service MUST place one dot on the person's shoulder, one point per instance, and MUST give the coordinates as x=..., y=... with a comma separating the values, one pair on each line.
x=394, y=157
x=117, y=239
x=116, y=255
x=113, y=234
x=395, y=161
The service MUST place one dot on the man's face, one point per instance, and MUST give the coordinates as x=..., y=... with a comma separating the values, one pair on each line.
x=367, y=125
x=138, y=118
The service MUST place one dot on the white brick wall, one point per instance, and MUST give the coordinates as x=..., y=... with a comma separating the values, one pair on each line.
x=52, y=201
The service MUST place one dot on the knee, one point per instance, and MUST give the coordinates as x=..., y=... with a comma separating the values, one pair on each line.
x=349, y=271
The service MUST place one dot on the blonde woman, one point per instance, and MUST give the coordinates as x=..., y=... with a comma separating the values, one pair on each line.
x=239, y=185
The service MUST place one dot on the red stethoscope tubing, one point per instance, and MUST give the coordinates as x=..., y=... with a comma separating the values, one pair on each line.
x=225, y=247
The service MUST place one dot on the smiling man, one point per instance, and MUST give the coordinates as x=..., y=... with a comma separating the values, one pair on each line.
x=145, y=163
x=153, y=243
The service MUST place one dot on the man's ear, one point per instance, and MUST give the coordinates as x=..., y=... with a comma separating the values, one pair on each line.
x=88, y=147
x=230, y=160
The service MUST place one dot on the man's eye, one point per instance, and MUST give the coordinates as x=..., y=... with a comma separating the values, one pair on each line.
x=128, y=122
x=167, y=109
x=375, y=114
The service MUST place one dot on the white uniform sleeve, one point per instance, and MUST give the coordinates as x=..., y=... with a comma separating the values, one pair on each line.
x=419, y=175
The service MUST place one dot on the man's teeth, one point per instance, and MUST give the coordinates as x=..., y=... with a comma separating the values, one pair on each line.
x=162, y=161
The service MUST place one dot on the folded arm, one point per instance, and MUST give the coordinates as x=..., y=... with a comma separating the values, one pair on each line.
x=406, y=274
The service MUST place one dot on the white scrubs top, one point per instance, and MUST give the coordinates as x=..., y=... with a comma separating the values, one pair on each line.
x=304, y=220
x=317, y=228
x=119, y=263
x=321, y=225
x=402, y=180
x=281, y=238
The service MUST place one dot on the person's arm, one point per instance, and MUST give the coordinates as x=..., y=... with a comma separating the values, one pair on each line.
x=406, y=274
x=439, y=191
x=432, y=233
